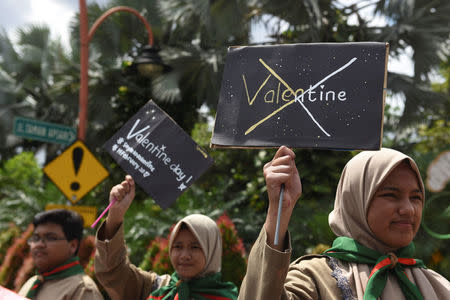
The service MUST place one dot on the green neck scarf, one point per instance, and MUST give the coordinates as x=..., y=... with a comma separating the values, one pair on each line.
x=210, y=287
x=348, y=249
x=68, y=268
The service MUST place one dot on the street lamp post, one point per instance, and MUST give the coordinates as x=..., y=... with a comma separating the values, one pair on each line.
x=85, y=37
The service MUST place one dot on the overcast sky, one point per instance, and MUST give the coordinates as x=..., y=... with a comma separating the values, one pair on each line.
x=57, y=14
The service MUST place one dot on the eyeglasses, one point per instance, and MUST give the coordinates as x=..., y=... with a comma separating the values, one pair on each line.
x=45, y=239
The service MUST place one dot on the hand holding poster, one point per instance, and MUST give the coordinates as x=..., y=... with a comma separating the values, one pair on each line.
x=318, y=95
x=162, y=159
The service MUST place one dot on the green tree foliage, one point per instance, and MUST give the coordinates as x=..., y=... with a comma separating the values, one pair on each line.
x=20, y=185
x=434, y=133
x=36, y=81
x=22, y=170
x=194, y=36
x=433, y=138
x=14, y=258
x=234, y=257
x=6, y=239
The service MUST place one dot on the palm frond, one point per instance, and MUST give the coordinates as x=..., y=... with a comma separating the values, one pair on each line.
x=419, y=99
x=34, y=35
x=166, y=88
x=8, y=55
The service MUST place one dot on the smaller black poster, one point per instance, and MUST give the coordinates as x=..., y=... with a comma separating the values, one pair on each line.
x=160, y=156
x=315, y=95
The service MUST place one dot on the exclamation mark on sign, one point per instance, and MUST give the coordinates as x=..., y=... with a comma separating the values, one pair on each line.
x=77, y=157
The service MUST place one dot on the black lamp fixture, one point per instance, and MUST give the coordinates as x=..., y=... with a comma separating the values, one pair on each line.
x=149, y=62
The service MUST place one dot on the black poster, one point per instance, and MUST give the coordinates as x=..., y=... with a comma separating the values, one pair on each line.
x=162, y=159
x=318, y=95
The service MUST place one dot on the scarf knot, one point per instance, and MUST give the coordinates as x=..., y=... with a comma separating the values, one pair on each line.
x=394, y=260
x=205, y=288
x=348, y=249
x=68, y=268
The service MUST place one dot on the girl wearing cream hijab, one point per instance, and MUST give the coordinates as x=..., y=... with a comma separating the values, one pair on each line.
x=377, y=212
x=195, y=251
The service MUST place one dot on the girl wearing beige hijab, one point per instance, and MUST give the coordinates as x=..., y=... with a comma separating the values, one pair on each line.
x=195, y=251
x=377, y=212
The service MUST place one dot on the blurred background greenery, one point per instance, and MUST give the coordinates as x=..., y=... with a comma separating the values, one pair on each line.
x=39, y=79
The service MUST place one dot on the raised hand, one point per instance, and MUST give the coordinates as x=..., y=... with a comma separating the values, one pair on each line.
x=122, y=194
x=281, y=170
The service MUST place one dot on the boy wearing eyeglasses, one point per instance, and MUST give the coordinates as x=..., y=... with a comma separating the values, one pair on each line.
x=54, y=247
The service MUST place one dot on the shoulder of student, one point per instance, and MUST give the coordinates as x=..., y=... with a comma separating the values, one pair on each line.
x=311, y=276
x=87, y=288
x=88, y=282
x=316, y=262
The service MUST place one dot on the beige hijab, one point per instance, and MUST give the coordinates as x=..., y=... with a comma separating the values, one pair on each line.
x=359, y=180
x=207, y=233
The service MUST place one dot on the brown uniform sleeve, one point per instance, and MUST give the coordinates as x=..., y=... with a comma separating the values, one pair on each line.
x=309, y=277
x=120, y=278
x=270, y=277
x=87, y=290
x=266, y=271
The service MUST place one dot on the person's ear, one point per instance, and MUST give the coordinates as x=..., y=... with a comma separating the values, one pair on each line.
x=73, y=244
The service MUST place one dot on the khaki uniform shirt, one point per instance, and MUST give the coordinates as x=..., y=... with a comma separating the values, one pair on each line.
x=270, y=276
x=76, y=287
x=121, y=279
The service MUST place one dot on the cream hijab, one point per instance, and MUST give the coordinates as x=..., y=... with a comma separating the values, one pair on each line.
x=207, y=233
x=359, y=181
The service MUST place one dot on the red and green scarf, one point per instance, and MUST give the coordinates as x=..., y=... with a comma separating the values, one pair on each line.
x=69, y=268
x=210, y=287
x=347, y=249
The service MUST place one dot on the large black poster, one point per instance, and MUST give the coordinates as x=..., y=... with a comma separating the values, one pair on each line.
x=318, y=95
x=162, y=159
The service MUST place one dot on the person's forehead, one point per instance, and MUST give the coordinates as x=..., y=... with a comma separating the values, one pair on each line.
x=401, y=172
x=48, y=228
x=185, y=234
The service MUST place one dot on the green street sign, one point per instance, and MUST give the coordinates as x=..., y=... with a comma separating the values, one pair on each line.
x=44, y=131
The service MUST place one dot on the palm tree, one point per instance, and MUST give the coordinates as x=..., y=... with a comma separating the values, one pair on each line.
x=193, y=37
x=35, y=82
x=420, y=26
